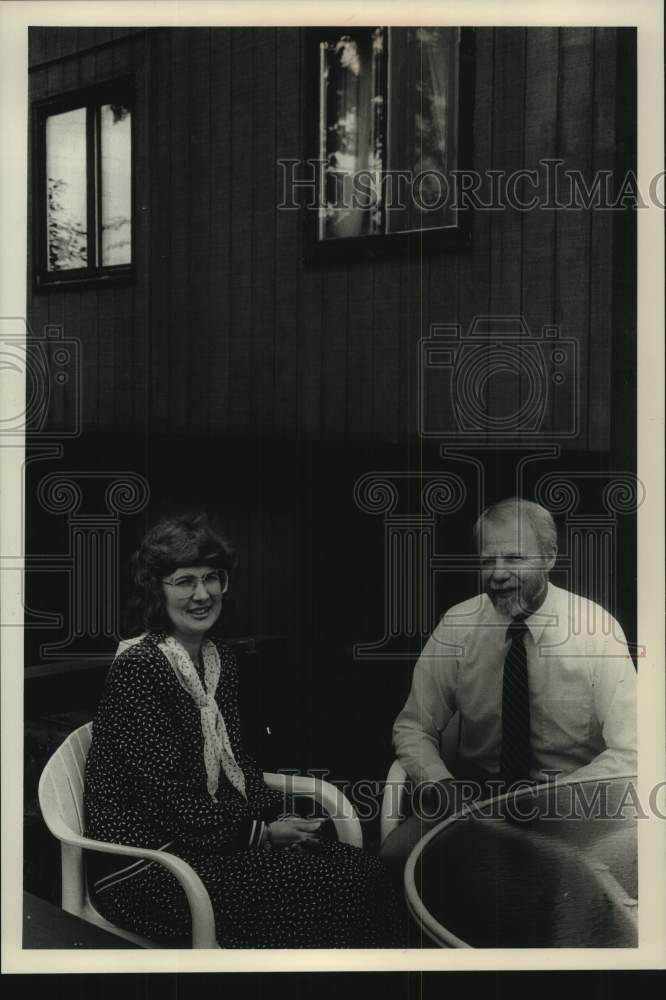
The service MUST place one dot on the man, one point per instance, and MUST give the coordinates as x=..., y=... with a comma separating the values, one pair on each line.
x=541, y=679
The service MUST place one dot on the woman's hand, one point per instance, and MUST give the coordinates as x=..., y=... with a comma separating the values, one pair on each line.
x=293, y=831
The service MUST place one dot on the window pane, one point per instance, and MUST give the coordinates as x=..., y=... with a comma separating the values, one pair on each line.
x=352, y=133
x=66, y=217
x=116, y=143
x=423, y=99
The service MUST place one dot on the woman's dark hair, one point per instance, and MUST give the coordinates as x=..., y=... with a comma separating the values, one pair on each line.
x=189, y=539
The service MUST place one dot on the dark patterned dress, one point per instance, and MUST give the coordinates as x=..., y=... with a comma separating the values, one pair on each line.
x=145, y=785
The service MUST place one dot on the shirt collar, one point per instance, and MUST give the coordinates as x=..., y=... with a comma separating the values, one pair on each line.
x=547, y=615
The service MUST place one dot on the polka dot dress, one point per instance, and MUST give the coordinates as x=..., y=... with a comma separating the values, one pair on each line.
x=145, y=785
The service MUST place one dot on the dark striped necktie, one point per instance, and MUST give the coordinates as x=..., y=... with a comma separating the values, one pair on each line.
x=516, y=757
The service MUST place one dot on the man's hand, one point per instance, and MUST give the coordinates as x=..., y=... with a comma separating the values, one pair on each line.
x=436, y=800
x=293, y=831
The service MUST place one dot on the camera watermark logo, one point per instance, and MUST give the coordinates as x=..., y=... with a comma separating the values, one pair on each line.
x=41, y=382
x=497, y=381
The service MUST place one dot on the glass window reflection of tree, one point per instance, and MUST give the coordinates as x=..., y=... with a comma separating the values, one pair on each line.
x=88, y=182
x=388, y=107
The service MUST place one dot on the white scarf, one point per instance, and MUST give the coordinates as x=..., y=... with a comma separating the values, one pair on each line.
x=216, y=745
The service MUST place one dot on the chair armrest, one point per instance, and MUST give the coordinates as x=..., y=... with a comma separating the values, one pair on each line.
x=391, y=811
x=331, y=799
x=203, y=918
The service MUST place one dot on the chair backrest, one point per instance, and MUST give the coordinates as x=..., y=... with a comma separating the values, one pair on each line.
x=61, y=783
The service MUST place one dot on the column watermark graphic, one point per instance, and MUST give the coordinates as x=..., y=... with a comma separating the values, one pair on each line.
x=42, y=412
x=409, y=546
x=497, y=391
x=590, y=545
x=91, y=563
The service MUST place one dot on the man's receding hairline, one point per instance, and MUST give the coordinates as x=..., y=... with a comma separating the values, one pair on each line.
x=520, y=510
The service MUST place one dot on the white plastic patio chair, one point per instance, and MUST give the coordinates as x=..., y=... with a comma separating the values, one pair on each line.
x=61, y=802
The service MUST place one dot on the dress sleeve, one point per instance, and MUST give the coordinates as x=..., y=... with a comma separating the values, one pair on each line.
x=139, y=719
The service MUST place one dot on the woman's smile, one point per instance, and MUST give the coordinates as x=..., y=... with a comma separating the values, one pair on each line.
x=200, y=612
x=193, y=614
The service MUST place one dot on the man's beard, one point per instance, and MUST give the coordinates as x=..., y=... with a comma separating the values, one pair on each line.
x=523, y=600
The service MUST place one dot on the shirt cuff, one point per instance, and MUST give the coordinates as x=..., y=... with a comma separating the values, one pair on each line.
x=436, y=772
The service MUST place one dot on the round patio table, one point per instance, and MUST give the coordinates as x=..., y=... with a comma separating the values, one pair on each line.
x=552, y=866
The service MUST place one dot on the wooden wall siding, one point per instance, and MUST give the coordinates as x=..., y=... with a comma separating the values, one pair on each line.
x=47, y=44
x=226, y=330
x=112, y=324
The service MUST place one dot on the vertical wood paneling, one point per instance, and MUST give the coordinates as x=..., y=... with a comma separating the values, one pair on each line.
x=263, y=229
x=474, y=267
x=161, y=230
x=56, y=300
x=312, y=283
x=37, y=42
x=266, y=558
x=112, y=376
x=55, y=43
x=72, y=40
x=103, y=35
x=441, y=291
x=180, y=338
x=539, y=244
x=198, y=331
x=440, y=306
x=243, y=279
x=624, y=294
x=238, y=335
x=411, y=324
x=361, y=347
x=221, y=195
x=288, y=237
x=37, y=307
x=573, y=227
x=142, y=63
x=89, y=353
x=70, y=79
x=242, y=238
x=72, y=328
x=387, y=337
x=334, y=334
x=311, y=312
x=506, y=226
x=125, y=326
x=601, y=244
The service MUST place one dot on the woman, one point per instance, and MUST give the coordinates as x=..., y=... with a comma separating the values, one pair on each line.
x=167, y=769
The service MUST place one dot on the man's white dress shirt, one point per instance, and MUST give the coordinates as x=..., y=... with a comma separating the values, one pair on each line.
x=582, y=691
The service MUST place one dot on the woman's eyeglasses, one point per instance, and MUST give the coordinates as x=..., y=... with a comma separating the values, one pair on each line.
x=215, y=582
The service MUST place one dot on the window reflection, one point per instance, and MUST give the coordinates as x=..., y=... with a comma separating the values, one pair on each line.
x=66, y=194
x=387, y=130
x=352, y=133
x=423, y=70
x=116, y=184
